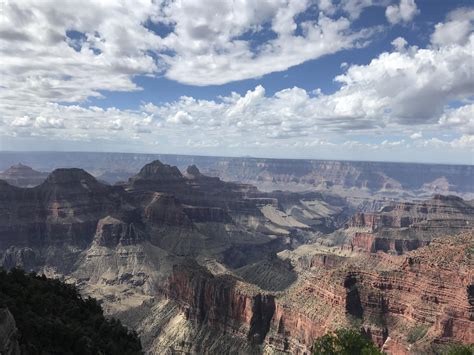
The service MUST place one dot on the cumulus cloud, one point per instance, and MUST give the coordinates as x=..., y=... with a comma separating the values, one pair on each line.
x=24, y=121
x=461, y=118
x=116, y=125
x=399, y=44
x=404, y=12
x=410, y=87
x=39, y=122
x=456, y=30
x=49, y=122
x=181, y=117
x=76, y=123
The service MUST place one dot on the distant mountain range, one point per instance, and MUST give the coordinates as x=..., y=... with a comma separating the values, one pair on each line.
x=346, y=177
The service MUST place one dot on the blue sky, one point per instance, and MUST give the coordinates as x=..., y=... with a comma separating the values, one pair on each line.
x=350, y=79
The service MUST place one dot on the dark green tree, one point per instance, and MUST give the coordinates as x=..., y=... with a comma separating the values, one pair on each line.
x=345, y=342
x=53, y=318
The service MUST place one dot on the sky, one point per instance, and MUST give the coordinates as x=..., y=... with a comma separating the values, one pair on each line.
x=389, y=80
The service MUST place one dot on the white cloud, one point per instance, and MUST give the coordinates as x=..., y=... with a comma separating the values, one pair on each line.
x=71, y=52
x=83, y=48
x=49, y=122
x=464, y=142
x=399, y=44
x=461, y=118
x=116, y=125
x=410, y=87
x=456, y=30
x=210, y=42
x=38, y=122
x=404, y=12
x=181, y=117
x=391, y=144
x=416, y=135
x=24, y=121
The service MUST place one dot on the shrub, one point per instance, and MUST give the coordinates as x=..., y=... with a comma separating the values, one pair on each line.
x=345, y=342
x=460, y=350
x=416, y=333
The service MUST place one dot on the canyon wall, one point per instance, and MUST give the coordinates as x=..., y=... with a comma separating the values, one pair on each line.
x=427, y=289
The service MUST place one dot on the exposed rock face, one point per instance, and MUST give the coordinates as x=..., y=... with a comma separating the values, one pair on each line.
x=111, y=232
x=419, y=214
x=8, y=334
x=388, y=296
x=216, y=302
x=23, y=176
x=401, y=227
x=371, y=243
x=199, y=265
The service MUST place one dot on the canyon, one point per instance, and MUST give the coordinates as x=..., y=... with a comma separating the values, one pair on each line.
x=196, y=264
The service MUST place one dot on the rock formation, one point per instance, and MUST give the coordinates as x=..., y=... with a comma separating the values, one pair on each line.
x=199, y=265
x=23, y=176
x=401, y=227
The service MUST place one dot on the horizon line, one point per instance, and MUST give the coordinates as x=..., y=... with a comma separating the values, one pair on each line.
x=236, y=157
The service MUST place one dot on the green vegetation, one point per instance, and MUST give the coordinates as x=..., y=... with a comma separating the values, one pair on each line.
x=416, y=333
x=345, y=342
x=457, y=349
x=452, y=349
x=52, y=318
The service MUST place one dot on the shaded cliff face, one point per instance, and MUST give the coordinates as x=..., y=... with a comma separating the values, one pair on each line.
x=199, y=265
x=64, y=209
